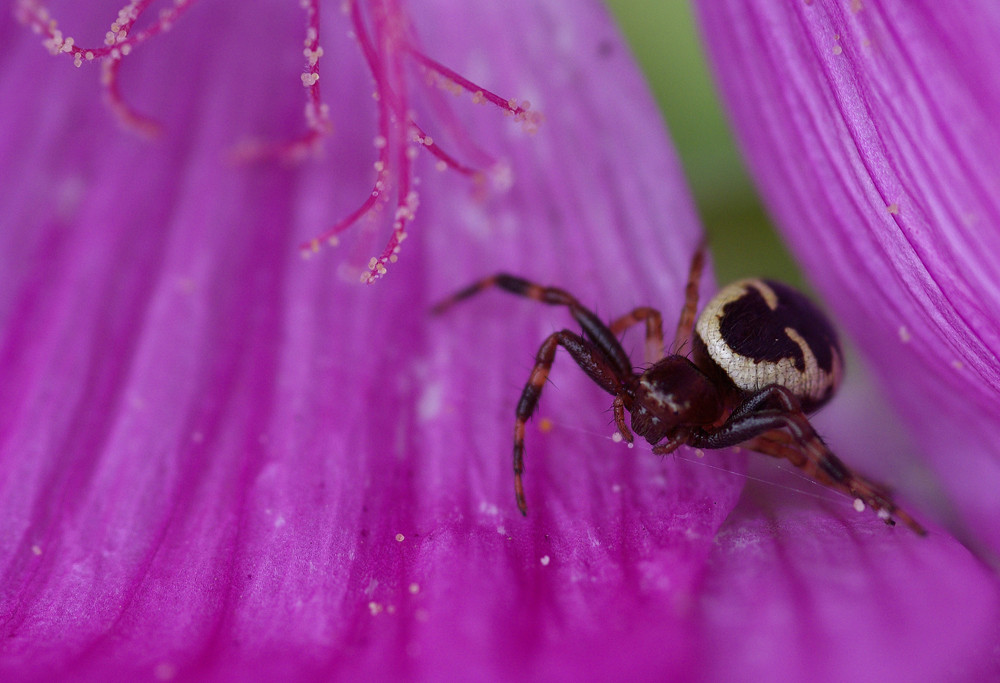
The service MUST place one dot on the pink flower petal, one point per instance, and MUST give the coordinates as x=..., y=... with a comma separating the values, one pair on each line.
x=794, y=594
x=220, y=458
x=871, y=128
x=217, y=461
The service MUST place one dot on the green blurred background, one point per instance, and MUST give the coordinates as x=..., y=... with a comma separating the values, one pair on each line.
x=665, y=40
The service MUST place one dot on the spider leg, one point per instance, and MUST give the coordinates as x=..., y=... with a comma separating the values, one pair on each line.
x=779, y=444
x=686, y=323
x=755, y=423
x=593, y=328
x=588, y=356
x=654, y=329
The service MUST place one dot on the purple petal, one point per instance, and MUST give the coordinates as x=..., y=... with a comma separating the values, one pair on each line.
x=218, y=461
x=871, y=128
x=220, y=458
x=796, y=594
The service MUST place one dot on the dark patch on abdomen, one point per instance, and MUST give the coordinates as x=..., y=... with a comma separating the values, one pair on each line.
x=750, y=328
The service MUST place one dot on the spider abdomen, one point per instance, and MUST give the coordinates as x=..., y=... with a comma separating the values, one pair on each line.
x=761, y=332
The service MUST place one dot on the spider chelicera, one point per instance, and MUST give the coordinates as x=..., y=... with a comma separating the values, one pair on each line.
x=762, y=357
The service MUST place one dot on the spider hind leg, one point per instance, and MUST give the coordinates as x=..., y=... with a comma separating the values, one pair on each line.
x=685, y=324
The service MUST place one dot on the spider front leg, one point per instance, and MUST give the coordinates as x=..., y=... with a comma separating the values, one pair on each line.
x=595, y=330
x=758, y=422
x=588, y=356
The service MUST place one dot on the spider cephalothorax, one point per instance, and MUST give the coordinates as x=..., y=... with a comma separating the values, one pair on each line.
x=762, y=357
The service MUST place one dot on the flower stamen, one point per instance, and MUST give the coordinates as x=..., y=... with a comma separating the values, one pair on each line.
x=119, y=41
x=388, y=48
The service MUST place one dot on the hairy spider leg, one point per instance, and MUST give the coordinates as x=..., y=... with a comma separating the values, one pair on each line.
x=860, y=487
x=654, y=350
x=654, y=330
x=688, y=314
x=588, y=356
x=599, y=354
x=593, y=328
x=757, y=424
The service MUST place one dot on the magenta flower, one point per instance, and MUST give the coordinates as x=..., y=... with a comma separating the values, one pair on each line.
x=220, y=461
x=878, y=161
